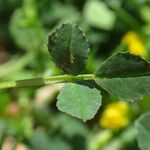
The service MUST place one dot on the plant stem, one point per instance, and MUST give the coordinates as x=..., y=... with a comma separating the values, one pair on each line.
x=17, y=64
x=45, y=81
x=127, y=18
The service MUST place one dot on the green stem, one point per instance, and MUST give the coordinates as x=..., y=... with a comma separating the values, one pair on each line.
x=17, y=64
x=45, y=81
x=127, y=18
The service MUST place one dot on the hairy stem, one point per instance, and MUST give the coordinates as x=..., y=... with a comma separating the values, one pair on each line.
x=45, y=81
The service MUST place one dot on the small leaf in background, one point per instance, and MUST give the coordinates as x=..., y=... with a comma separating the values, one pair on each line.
x=143, y=131
x=74, y=130
x=98, y=15
x=144, y=12
x=79, y=101
x=69, y=48
x=41, y=141
x=71, y=127
x=27, y=36
x=67, y=13
x=124, y=75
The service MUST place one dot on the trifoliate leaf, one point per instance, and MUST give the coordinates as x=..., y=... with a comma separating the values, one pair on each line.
x=124, y=75
x=69, y=48
x=143, y=131
x=79, y=101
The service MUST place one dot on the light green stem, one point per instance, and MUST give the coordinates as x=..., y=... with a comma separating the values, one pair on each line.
x=15, y=65
x=45, y=81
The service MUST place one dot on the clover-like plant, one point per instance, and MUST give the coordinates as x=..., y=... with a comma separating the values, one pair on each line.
x=124, y=75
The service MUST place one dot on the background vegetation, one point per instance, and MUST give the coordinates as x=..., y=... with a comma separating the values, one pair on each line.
x=29, y=118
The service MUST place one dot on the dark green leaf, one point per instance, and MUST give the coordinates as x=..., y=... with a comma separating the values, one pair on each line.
x=124, y=75
x=69, y=48
x=79, y=101
x=143, y=131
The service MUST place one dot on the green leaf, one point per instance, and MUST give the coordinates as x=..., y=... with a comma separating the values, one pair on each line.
x=143, y=131
x=3, y=128
x=26, y=36
x=98, y=15
x=144, y=12
x=41, y=141
x=79, y=101
x=71, y=127
x=124, y=75
x=69, y=48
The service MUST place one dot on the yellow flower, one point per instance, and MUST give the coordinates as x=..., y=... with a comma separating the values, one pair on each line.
x=134, y=43
x=115, y=116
